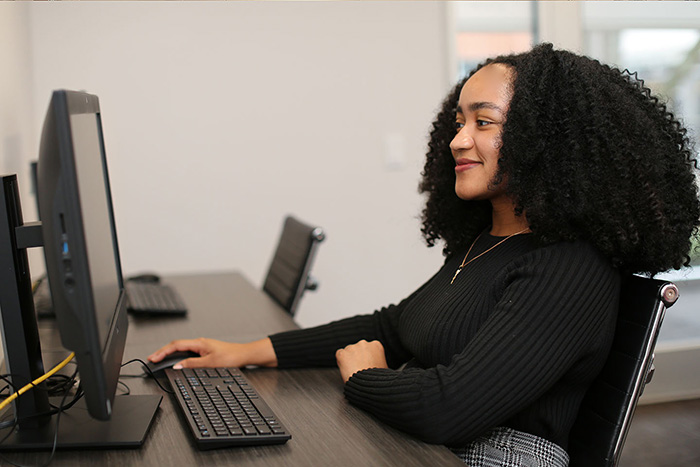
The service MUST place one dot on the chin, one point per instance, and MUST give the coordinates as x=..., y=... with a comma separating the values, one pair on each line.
x=468, y=195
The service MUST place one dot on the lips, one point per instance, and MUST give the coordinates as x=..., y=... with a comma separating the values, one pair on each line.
x=465, y=164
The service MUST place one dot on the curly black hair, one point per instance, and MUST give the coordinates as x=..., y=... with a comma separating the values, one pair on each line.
x=588, y=153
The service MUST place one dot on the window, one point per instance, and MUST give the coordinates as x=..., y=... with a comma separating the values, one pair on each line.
x=667, y=57
x=487, y=29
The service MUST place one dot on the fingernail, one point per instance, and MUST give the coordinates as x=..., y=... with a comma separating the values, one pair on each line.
x=177, y=366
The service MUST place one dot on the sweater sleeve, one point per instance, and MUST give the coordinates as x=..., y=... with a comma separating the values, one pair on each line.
x=317, y=346
x=314, y=347
x=555, y=308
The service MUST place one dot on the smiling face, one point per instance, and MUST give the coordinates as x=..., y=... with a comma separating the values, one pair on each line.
x=481, y=113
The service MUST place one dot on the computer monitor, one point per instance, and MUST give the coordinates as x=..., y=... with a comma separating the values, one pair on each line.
x=83, y=266
x=80, y=245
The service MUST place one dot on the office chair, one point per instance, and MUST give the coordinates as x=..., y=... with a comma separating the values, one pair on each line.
x=604, y=418
x=288, y=276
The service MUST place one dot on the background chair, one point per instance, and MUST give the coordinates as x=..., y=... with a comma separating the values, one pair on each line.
x=604, y=418
x=288, y=276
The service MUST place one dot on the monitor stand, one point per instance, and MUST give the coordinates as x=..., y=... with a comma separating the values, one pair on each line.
x=131, y=418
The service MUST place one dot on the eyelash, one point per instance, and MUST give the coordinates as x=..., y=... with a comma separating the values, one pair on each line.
x=479, y=123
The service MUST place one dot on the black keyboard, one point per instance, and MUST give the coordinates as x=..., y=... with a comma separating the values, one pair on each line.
x=222, y=409
x=154, y=298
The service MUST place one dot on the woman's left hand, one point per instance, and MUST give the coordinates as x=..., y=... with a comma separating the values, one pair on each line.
x=360, y=356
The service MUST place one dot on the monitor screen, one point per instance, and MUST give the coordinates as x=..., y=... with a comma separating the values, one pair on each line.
x=97, y=219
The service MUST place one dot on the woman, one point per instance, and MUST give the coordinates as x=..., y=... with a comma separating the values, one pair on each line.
x=548, y=176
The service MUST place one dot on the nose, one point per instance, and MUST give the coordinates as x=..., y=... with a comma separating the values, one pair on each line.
x=462, y=140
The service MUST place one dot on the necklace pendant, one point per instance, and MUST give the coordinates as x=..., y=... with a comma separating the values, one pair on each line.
x=465, y=262
x=455, y=276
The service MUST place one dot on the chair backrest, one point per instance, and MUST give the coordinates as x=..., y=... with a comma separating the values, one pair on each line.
x=604, y=418
x=288, y=275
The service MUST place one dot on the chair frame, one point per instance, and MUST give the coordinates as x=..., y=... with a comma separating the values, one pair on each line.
x=667, y=296
x=305, y=282
x=643, y=304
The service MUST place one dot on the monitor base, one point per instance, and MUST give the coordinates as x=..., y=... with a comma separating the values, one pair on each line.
x=127, y=428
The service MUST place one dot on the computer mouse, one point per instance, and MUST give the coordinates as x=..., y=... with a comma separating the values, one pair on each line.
x=169, y=361
x=145, y=277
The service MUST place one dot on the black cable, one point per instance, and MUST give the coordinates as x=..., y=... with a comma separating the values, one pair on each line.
x=59, y=384
x=7, y=380
x=62, y=408
x=7, y=423
x=55, y=385
x=56, y=411
x=58, y=417
x=127, y=389
x=63, y=383
x=9, y=432
x=13, y=422
x=148, y=372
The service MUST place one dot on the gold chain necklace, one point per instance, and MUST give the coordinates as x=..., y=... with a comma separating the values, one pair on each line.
x=465, y=262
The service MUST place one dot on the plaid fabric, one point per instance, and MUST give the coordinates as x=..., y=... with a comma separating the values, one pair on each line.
x=505, y=447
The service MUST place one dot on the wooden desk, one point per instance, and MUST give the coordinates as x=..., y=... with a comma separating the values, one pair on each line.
x=325, y=429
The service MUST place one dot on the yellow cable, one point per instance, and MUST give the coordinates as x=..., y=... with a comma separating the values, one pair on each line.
x=37, y=381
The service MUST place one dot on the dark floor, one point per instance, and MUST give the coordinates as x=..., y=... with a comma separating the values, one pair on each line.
x=664, y=435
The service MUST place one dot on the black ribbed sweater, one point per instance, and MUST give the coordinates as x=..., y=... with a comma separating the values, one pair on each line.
x=515, y=342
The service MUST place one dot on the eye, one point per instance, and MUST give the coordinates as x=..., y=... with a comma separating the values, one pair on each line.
x=459, y=126
x=482, y=122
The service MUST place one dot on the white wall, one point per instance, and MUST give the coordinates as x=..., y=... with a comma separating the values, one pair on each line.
x=16, y=102
x=566, y=34
x=15, y=88
x=221, y=117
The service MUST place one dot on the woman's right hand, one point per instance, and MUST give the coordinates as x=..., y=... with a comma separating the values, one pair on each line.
x=214, y=353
